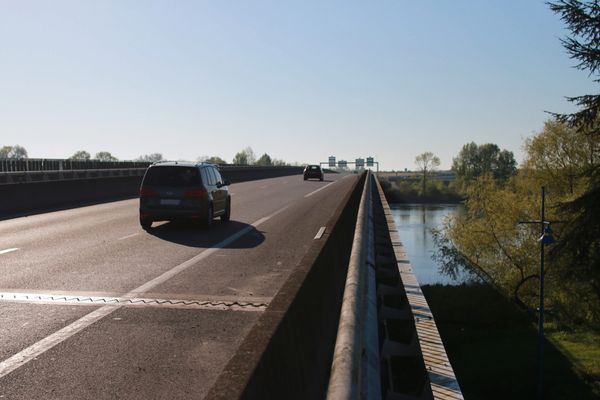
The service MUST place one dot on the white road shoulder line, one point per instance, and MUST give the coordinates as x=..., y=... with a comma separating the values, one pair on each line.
x=128, y=236
x=320, y=233
x=35, y=350
x=319, y=189
x=8, y=250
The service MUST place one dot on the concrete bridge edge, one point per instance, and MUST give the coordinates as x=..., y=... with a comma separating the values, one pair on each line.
x=444, y=384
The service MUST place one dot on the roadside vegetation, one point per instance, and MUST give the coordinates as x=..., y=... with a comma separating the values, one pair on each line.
x=408, y=191
x=492, y=344
x=490, y=328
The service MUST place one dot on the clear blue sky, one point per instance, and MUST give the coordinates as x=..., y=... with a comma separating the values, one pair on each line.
x=300, y=80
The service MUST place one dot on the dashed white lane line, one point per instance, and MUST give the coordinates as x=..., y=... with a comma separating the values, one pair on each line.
x=128, y=236
x=8, y=250
x=35, y=350
x=320, y=233
x=318, y=190
x=347, y=176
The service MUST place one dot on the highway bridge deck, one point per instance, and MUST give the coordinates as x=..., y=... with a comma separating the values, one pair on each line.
x=92, y=306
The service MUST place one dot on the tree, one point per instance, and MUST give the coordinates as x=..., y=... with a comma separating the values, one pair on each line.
x=105, y=156
x=16, y=152
x=476, y=160
x=557, y=156
x=581, y=18
x=487, y=240
x=212, y=160
x=427, y=163
x=265, y=159
x=580, y=245
x=245, y=157
x=279, y=163
x=4, y=151
x=81, y=155
x=154, y=157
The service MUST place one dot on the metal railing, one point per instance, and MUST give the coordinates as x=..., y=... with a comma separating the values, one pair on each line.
x=54, y=164
x=49, y=164
x=355, y=371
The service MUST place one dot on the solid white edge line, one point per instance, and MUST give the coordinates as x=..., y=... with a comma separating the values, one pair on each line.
x=35, y=350
x=320, y=233
x=8, y=250
x=319, y=189
x=128, y=236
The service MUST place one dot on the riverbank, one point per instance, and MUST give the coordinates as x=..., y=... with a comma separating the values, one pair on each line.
x=492, y=346
x=412, y=192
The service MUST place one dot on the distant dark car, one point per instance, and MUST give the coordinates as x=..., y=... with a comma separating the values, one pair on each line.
x=191, y=191
x=314, y=172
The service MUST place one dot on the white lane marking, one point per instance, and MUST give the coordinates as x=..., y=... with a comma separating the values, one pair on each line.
x=347, y=176
x=128, y=236
x=264, y=187
x=319, y=234
x=285, y=182
x=318, y=190
x=8, y=250
x=35, y=350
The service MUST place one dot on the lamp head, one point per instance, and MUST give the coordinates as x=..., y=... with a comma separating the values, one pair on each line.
x=547, y=237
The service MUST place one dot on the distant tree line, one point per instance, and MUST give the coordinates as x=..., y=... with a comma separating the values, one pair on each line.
x=472, y=162
x=247, y=157
x=243, y=157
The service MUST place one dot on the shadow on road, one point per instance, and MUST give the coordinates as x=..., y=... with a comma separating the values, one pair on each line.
x=192, y=235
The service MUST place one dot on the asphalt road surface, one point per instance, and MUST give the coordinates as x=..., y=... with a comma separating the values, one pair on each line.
x=93, y=307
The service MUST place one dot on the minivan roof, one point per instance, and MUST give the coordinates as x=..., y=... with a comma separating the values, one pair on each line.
x=180, y=164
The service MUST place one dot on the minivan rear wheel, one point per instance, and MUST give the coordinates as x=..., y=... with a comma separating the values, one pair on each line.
x=209, y=217
x=227, y=216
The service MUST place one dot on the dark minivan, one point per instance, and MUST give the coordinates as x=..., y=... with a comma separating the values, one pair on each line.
x=177, y=190
x=313, y=171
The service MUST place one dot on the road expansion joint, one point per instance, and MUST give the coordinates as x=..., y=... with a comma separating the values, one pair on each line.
x=134, y=302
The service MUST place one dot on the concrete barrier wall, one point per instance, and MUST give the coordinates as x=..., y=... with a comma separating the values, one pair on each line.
x=242, y=174
x=22, y=198
x=288, y=353
x=22, y=193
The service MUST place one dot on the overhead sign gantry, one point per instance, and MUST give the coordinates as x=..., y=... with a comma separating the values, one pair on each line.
x=358, y=163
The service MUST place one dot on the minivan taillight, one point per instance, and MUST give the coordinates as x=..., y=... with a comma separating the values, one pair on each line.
x=194, y=194
x=146, y=192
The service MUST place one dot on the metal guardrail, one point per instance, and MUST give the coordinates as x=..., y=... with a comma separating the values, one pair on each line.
x=387, y=346
x=48, y=164
x=355, y=371
x=21, y=177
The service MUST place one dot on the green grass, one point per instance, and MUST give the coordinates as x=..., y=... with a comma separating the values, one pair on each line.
x=492, y=346
x=581, y=347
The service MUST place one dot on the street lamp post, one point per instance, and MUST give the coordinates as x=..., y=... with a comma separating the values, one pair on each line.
x=545, y=238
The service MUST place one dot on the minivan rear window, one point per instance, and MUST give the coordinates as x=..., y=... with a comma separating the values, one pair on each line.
x=172, y=176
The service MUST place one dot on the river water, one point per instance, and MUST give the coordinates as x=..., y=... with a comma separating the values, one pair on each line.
x=414, y=223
